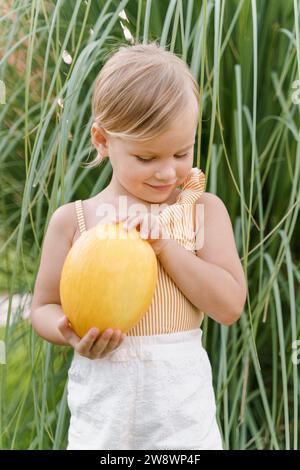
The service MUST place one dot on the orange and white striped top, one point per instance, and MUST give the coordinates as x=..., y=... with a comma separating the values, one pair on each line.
x=170, y=311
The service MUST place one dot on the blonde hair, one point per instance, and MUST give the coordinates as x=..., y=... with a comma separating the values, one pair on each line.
x=140, y=91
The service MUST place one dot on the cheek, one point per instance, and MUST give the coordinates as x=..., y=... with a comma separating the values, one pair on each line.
x=186, y=164
x=140, y=170
x=184, y=168
x=137, y=173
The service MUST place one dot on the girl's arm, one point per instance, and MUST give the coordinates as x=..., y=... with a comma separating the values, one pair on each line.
x=45, y=320
x=46, y=308
x=214, y=280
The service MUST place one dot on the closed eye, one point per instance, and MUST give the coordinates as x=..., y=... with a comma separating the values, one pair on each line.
x=150, y=159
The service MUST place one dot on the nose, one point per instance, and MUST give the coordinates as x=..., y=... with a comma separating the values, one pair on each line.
x=166, y=175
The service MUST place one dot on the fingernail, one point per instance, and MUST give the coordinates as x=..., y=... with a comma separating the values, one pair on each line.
x=94, y=331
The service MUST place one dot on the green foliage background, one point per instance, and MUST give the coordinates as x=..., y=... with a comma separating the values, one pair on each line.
x=246, y=56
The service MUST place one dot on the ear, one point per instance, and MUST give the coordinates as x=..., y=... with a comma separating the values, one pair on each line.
x=99, y=139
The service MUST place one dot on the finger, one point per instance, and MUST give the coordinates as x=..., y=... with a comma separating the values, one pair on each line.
x=150, y=227
x=67, y=332
x=144, y=229
x=114, y=341
x=87, y=341
x=101, y=344
x=154, y=232
x=133, y=221
x=120, y=217
x=113, y=219
x=142, y=221
x=110, y=346
x=127, y=224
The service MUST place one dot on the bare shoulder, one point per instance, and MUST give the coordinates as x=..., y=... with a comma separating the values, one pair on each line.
x=212, y=211
x=214, y=218
x=64, y=218
x=212, y=201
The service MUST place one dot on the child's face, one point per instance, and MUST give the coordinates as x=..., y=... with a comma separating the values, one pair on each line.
x=165, y=160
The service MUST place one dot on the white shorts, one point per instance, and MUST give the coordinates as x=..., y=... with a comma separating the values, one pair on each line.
x=152, y=392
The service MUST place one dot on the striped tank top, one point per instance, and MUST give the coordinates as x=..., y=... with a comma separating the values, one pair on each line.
x=170, y=311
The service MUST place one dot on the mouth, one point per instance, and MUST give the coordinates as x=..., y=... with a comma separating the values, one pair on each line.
x=160, y=188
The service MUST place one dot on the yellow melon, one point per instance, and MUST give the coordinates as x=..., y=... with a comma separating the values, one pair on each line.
x=108, y=279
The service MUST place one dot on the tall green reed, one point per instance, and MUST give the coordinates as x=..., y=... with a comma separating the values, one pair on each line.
x=246, y=56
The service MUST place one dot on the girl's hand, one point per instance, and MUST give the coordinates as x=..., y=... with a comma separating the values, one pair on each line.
x=91, y=345
x=150, y=229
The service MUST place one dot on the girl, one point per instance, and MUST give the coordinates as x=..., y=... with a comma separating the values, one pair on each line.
x=151, y=388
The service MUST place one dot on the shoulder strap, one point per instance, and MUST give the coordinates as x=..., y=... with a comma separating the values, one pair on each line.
x=80, y=215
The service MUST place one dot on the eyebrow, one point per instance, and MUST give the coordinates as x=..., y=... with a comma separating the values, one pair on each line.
x=144, y=152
